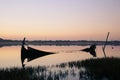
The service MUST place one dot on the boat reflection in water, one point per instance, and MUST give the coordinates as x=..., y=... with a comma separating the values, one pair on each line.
x=91, y=50
x=31, y=53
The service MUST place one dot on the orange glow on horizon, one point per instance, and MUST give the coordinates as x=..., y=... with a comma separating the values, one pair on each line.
x=60, y=20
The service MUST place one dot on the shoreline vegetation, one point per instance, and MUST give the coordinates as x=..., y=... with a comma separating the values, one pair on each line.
x=4, y=42
x=90, y=69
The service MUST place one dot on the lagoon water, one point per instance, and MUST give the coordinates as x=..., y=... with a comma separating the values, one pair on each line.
x=10, y=55
x=59, y=66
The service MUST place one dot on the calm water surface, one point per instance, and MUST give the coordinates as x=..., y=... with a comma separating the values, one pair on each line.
x=10, y=55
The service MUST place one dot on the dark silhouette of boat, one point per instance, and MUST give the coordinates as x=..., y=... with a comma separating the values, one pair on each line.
x=91, y=50
x=31, y=53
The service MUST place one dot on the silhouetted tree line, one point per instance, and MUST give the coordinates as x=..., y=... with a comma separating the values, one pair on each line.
x=5, y=42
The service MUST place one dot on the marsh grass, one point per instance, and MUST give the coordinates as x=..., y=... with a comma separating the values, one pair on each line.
x=95, y=69
x=103, y=67
x=13, y=74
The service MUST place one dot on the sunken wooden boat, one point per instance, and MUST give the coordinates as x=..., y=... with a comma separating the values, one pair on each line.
x=91, y=50
x=30, y=53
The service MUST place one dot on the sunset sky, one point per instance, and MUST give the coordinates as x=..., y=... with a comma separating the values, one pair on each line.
x=60, y=19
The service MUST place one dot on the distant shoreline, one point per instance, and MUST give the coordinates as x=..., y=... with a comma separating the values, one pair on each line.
x=57, y=42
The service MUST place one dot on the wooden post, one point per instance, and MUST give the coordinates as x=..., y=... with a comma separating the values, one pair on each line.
x=105, y=44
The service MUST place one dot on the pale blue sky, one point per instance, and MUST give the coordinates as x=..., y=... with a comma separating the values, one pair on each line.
x=60, y=19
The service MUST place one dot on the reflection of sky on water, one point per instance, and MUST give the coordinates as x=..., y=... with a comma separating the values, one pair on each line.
x=59, y=73
x=10, y=56
x=57, y=66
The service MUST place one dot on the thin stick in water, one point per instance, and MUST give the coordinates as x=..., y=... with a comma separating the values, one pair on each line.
x=105, y=44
